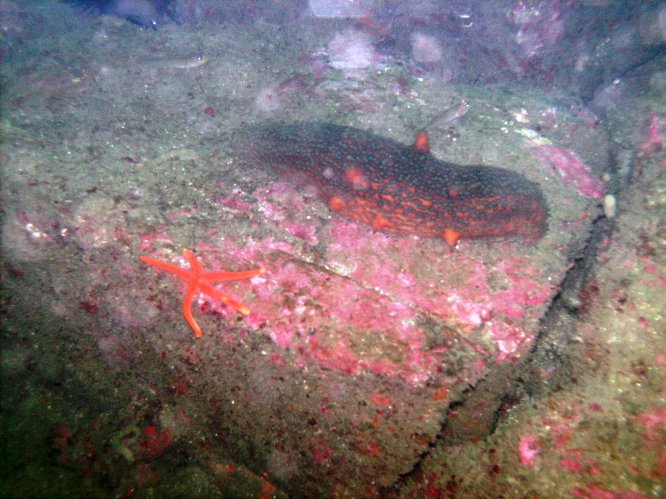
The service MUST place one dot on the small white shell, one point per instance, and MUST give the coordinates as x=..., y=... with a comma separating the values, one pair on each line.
x=610, y=206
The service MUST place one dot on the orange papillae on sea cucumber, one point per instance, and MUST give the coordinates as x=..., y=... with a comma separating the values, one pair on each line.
x=397, y=188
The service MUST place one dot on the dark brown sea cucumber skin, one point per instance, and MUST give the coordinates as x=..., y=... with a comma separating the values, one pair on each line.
x=393, y=187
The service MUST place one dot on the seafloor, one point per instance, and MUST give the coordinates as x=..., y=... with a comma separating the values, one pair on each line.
x=370, y=364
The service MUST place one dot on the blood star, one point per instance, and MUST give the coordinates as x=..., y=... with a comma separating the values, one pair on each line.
x=200, y=280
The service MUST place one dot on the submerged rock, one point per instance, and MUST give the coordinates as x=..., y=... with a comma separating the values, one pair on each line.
x=141, y=12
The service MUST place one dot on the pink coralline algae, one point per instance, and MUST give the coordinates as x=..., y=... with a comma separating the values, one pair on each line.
x=653, y=142
x=368, y=302
x=571, y=170
x=655, y=423
x=528, y=450
x=321, y=453
x=235, y=201
x=279, y=204
x=338, y=323
x=510, y=340
x=596, y=491
x=457, y=289
x=355, y=300
x=371, y=314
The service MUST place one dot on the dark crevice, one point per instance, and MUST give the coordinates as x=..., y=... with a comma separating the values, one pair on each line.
x=510, y=385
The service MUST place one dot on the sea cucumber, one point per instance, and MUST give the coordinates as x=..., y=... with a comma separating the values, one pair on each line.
x=396, y=188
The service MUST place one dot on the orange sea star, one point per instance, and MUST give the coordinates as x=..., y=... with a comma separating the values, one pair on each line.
x=198, y=279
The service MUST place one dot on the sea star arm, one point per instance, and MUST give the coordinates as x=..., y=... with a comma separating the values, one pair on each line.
x=184, y=274
x=195, y=264
x=187, y=308
x=224, y=275
x=220, y=296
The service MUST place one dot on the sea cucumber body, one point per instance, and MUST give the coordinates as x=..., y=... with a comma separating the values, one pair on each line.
x=396, y=188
